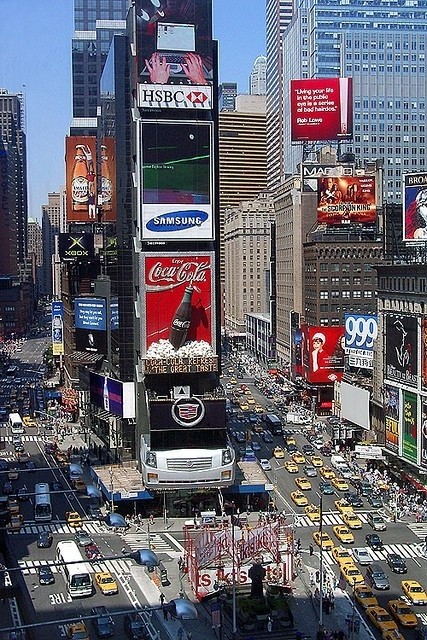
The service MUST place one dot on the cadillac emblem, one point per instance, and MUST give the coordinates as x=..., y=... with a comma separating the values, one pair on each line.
x=188, y=412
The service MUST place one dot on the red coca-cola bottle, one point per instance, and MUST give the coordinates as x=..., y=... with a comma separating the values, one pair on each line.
x=181, y=320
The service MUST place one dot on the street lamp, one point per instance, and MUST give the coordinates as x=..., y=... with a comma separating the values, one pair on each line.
x=321, y=563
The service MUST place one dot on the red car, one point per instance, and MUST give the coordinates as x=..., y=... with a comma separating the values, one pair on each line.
x=92, y=552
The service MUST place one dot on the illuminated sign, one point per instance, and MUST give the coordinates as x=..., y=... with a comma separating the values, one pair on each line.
x=323, y=350
x=112, y=395
x=401, y=349
x=187, y=413
x=415, y=207
x=180, y=365
x=57, y=328
x=321, y=109
x=76, y=246
x=170, y=97
x=346, y=200
x=90, y=317
x=360, y=335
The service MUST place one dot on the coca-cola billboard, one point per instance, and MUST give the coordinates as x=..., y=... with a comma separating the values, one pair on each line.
x=178, y=312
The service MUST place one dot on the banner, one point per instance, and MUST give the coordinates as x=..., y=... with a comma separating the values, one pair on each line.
x=187, y=413
x=346, y=200
x=423, y=460
x=90, y=317
x=80, y=178
x=112, y=395
x=57, y=328
x=166, y=97
x=321, y=109
x=323, y=353
x=177, y=181
x=409, y=435
x=391, y=413
x=178, y=296
x=174, y=42
x=415, y=207
x=360, y=334
x=401, y=349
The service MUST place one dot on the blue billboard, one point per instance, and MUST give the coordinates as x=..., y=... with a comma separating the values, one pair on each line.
x=58, y=328
x=90, y=314
x=114, y=396
x=360, y=334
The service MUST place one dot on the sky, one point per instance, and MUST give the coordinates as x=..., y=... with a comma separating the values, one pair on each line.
x=35, y=59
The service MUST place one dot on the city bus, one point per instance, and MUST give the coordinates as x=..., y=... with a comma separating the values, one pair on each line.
x=15, y=423
x=75, y=570
x=42, y=503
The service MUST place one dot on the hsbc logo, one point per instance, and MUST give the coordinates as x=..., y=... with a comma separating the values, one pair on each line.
x=188, y=412
x=166, y=96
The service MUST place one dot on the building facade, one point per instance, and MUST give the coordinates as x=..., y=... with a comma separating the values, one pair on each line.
x=258, y=77
x=53, y=223
x=227, y=92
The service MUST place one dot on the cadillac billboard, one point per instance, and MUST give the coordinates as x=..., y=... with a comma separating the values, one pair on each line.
x=187, y=413
x=323, y=350
x=177, y=181
x=178, y=313
x=321, y=109
x=401, y=349
x=174, y=42
x=346, y=200
x=360, y=335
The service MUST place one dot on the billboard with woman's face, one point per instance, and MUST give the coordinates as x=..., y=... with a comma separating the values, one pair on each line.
x=323, y=353
x=174, y=41
x=415, y=207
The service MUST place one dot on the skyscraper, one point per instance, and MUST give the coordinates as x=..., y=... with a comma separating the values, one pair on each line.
x=227, y=92
x=13, y=166
x=258, y=77
x=382, y=47
x=278, y=16
x=95, y=23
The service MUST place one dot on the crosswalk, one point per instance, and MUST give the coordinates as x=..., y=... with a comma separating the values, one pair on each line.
x=419, y=529
x=405, y=550
x=62, y=528
x=160, y=543
x=328, y=519
x=24, y=438
x=116, y=566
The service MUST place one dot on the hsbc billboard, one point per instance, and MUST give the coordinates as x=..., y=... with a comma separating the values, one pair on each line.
x=164, y=96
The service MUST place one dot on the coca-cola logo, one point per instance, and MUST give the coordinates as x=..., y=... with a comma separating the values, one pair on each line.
x=180, y=271
x=188, y=412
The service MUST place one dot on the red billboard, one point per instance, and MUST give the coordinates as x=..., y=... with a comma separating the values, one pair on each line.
x=346, y=200
x=321, y=109
x=323, y=350
x=178, y=305
x=88, y=199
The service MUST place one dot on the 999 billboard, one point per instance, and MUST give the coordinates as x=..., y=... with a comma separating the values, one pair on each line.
x=177, y=180
x=178, y=311
x=174, y=41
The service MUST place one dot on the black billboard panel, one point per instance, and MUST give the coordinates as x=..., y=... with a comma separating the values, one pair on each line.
x=401, y=349
x=187, y=413
x=76, y=246
x=174, y=41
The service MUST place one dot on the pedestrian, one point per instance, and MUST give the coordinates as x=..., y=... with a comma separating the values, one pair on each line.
x=162, y=598
x=165, y=613
x=311, y=550
x=299, y=544
x=180, y=634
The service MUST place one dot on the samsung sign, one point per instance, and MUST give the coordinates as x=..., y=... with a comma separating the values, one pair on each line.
x=166, y=96
x=177, y=221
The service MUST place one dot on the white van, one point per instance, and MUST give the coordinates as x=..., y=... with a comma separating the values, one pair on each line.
x=297, y=418
x=340, y=464
x=15, y=423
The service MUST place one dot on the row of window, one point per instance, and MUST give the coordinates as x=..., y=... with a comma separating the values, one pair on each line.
x=389, y=68
x=345, y=280
x=346, y=294
x=391, y=57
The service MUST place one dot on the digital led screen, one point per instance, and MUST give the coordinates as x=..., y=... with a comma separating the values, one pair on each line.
x=415, y=207
x=346, y=200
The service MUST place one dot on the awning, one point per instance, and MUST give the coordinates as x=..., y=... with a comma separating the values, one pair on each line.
x=246, y=488
x=414, y=481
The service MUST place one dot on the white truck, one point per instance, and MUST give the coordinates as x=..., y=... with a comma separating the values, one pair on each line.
x=298, y=418
x=341, y=465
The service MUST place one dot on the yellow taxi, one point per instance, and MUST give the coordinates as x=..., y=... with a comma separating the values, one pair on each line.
x=312, y=512
x=73, y=519
x=244, y=406
x=402, y=613
x=106, y=583
x=340, y=484
x=233, y=380
x=299, y=498
x=343, y=534
x=278, y=452
x=352, y=574
x=393, y=634
x=298, y=457
x=351, y=520
x=414, y=591
x=78, y=631
x=323, y=540
x=343, y=506
x=342, y=556
x=291, y=440
x=303, y=483
x=291, y=467
x=258, y=408
x=327, y=473
x=316, y=461
x=250, y=400
x=29, y=422
x=381, y=619
x=364, y=596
